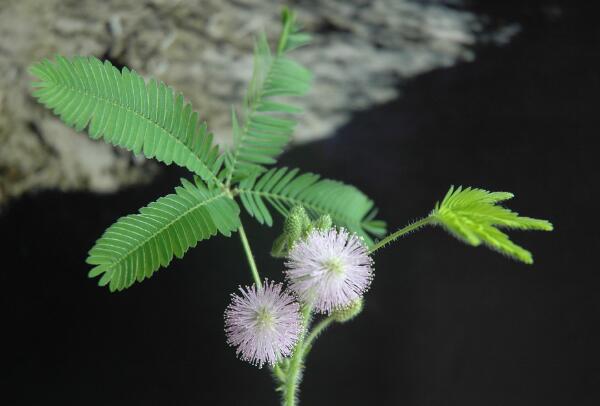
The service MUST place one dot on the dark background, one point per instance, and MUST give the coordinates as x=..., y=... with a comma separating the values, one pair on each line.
x=444, y=324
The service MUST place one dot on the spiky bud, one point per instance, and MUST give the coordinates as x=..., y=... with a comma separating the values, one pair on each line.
x=348, y=313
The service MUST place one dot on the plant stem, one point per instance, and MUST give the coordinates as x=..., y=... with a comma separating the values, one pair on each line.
x=278, y=373
x=249, y=256
x=411, y=227
x=291, y=382
x=294, y=371
x=316, y=331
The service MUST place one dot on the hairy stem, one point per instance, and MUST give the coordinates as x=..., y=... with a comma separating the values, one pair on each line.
x=294, y=371
x=409, y=228
x=278, y=373
x=249, y=256
x=292, y=379
x=316, y=331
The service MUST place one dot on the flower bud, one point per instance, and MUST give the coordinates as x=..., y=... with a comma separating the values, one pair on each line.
x=295, y=225
x=348, y=313
x=323, y=223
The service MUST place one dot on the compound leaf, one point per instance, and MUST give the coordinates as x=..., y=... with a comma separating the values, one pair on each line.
x=267, y=125
x=148, y=118
x=283, y=189
x=473, y=216
x=137, y=245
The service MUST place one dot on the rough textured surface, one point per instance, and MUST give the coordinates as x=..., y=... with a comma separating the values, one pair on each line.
x=362, y=50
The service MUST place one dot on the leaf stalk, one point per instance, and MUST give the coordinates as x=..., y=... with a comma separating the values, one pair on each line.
x=403, y=231
x=249, y=256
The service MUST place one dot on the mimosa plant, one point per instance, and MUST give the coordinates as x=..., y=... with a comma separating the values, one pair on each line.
x=330, y=231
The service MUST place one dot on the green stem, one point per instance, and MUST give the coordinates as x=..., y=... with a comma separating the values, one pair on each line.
x=316, y=331
x=411, y=227
x=278, y=373
x=294, y=371
x=249, y=256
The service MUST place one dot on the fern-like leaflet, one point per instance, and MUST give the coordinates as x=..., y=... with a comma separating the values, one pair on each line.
x=121, y=108
x=283, y=189
x=264, y=132
x=137, y=245
x=473, y=216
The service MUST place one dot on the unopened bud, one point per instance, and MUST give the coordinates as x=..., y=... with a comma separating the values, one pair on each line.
x=323, y=223
x=348, y=313
x=294, y=225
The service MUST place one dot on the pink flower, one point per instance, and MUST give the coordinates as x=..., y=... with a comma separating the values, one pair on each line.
x=263, y=323
x=330, y=269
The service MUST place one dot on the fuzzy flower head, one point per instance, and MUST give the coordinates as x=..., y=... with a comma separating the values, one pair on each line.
x=263, y=323
x=330, y=269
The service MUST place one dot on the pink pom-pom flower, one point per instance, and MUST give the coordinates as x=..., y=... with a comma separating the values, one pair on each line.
x=329, y=269
x=263, y=323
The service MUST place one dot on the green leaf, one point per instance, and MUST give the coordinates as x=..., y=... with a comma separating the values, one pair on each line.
x=266, y=126
x=121, y=108
x=137, y=245
x=283, y=189
x=473, y=216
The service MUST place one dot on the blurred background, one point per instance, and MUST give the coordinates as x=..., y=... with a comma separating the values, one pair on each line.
x=409, y=97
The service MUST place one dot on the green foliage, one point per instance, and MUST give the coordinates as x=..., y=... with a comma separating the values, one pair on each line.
x=473, y=216
x=121, y=108
x=153, y=120
x=137, y=245
x=283, y=189
x=264, y=132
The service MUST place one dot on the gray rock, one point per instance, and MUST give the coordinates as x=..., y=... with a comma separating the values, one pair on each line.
x=362, y=50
